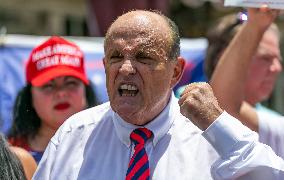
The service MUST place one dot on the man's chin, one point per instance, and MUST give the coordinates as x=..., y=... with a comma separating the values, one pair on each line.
x=129, y=113
x=124, y=109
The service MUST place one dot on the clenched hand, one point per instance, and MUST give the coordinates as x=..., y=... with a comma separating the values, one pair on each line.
x=199, y=105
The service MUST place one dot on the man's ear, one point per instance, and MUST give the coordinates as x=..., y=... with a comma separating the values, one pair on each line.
x=178, y=70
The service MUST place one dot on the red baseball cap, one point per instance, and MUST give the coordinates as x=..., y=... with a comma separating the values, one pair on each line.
x=55, y=57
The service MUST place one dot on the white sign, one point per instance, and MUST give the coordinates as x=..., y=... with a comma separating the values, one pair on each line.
x=273, y=4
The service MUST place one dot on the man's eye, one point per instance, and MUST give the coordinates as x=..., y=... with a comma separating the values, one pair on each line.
x=143, y=58
x=144, y=61
x=115, y=57
x=116, y=54
x=266, y=58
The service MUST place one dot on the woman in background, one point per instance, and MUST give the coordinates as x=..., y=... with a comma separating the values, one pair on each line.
x=57, y=87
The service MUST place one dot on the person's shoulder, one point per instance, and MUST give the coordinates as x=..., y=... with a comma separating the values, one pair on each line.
x=21, y=153
x=88, y=116
x=85, y=121
x=26, y=159
x=270, y=130
x=268, y=118
x=270, y=123
x=264, y=111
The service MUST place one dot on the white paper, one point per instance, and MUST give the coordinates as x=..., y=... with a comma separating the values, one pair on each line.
x=273, y=4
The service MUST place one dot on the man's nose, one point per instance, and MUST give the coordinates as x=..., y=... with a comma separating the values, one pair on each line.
x=127, y=68
x=276, y=66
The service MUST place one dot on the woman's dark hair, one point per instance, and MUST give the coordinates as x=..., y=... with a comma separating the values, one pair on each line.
x=26, y=121
x=10, y=166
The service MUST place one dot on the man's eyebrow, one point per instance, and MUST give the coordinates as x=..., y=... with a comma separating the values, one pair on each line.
x=143, y=53
x=266, y=52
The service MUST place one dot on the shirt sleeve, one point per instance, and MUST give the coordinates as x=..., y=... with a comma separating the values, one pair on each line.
x=241, y=155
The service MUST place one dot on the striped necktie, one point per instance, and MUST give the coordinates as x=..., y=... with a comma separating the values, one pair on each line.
x=138, y=167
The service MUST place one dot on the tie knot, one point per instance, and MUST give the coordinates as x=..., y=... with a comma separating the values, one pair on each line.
x=140, y=135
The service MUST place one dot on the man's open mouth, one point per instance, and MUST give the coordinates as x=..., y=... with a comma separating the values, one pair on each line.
x=128, y=90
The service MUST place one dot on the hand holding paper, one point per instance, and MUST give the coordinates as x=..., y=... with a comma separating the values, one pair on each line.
x=272, y=4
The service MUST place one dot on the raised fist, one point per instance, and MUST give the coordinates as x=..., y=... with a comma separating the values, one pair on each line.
x=199, y=105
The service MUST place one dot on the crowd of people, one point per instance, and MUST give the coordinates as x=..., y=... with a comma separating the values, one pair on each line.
x=213, y=131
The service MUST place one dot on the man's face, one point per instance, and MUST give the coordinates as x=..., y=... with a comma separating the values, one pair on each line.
x=264, y=69
x=139, y=74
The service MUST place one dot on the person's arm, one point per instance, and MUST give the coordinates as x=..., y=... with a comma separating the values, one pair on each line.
x=229, y=77
x=241, y=155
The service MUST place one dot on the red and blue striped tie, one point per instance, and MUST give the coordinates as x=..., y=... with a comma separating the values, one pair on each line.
x=138, y=167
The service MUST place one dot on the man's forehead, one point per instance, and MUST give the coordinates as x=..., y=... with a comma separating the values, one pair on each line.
x=135, y=35
x=138, y=18
x=139, y=28
x=140, y=21
x=135, y=44
x=268, y=46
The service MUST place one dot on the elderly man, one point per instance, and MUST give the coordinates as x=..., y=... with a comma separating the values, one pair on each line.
x=231, y=73
x=263, y=70
x=140, y=133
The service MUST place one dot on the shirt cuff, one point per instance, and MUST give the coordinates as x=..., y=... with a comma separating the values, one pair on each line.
x=225, y=132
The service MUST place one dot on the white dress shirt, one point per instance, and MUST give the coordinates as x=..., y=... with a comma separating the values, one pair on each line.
x=271, y=132
x=241, y=155
x=95, y=144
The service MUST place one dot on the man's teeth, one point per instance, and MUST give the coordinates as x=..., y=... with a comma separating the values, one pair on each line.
x=128, y=95
x=128, y=90
x=128, y=87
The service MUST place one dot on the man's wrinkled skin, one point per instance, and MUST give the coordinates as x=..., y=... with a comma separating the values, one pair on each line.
x=199, y=104
x=137, y=60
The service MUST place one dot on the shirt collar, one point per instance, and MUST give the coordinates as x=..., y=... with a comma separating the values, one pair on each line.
x=159, y=126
